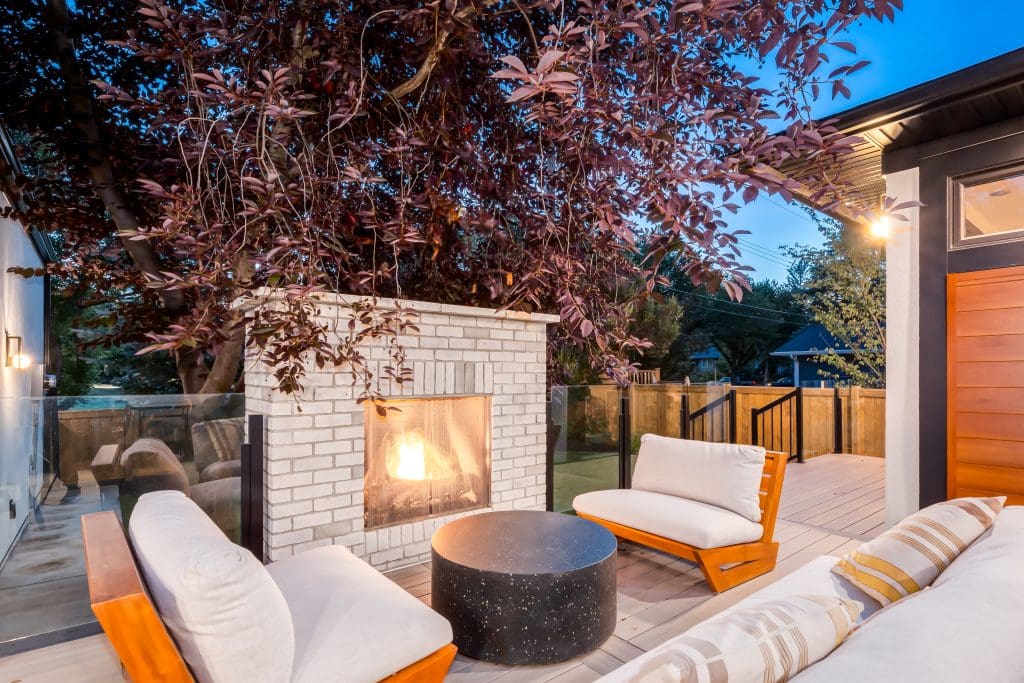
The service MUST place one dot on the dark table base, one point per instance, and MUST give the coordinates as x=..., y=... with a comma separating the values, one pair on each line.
x=523, y=618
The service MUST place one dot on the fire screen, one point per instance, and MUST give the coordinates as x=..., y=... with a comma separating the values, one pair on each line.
x=430, y=456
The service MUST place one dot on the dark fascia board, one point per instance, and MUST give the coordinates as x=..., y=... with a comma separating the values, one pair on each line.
x=10, y=169
x=7, y=151
x=43, y=245
x=991, y=75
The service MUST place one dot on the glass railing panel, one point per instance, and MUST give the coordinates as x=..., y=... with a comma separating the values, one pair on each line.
x=583, y=441
x=65, y=457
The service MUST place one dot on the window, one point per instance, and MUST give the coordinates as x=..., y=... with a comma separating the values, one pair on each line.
x=988, y=208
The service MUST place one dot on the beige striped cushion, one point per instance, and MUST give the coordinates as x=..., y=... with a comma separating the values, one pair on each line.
x=771, y=642
x=912, y=554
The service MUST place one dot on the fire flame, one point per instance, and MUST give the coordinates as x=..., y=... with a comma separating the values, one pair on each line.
x=412, y=457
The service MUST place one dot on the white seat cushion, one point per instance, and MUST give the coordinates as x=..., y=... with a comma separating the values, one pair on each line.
x=352, y=623
x=720, y=474
x=965, y=627
x=229, y=620
x=688, y=521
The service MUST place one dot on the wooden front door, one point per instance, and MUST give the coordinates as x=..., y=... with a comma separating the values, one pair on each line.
x=985, y=380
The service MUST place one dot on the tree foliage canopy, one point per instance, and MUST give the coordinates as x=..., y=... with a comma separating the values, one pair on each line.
x=506, y=153
x=843, y=286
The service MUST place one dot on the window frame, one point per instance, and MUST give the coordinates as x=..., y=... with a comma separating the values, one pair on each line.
x=958, y=185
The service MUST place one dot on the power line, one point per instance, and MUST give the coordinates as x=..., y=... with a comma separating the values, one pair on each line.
x=764, y=253
x=788, y=208
x=775, y=321
x=738, y=303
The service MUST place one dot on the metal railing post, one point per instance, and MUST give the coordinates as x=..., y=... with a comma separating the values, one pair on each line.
x=684, y=417
x=753, y=427
x=549, y=462
x=799, y=424
x=625, y=441
x=732, y=438
x=252, y=487
x=837, y=421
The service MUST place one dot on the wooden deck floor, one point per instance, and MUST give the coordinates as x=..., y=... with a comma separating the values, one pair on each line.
x=829, y=505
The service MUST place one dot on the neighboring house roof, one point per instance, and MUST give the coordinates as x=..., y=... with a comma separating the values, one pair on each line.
x=710, y=353
x=812, y=340
x=976, y=96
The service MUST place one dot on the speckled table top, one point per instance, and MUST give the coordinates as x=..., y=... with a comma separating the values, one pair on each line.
x=524, y=542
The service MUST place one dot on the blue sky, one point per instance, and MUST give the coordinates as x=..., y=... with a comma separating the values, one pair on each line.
x=930, y=38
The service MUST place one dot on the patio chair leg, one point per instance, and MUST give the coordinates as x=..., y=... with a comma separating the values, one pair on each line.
x=431, y=669
x=751, y=560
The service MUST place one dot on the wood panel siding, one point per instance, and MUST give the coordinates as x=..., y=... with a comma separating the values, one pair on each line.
x=985, y=383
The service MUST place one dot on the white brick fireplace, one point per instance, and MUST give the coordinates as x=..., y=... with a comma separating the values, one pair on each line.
x=315, y=450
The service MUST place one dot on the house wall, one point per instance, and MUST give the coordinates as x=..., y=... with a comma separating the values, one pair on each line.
x=902, y=340
x=918, y=262
x=22, y=307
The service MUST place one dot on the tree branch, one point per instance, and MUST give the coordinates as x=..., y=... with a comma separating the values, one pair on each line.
x=83, y=117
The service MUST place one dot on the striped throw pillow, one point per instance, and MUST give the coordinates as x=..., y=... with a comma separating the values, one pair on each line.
x=912, y=554
x=767, y=643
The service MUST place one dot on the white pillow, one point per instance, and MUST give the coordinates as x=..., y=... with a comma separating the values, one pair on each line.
x=765, y=644
x=227, y=616
x=726, y=475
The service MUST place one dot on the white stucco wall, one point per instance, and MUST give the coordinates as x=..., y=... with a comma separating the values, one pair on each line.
x=902, y=359
x=21, y=313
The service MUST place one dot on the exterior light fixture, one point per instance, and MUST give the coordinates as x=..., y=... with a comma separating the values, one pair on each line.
x=881, y=227
x=13, y=353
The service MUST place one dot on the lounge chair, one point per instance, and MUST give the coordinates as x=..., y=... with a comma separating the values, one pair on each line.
x=191, y=605
x=713, y=504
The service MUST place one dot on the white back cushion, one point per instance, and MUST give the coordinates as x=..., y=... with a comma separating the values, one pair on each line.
x=224, y=611
x=725, y=475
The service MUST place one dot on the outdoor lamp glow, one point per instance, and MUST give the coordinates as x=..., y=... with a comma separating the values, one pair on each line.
x=15, y=358
x=881, y=227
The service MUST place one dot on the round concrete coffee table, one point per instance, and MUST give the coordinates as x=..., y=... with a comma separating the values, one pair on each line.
x=525, y=587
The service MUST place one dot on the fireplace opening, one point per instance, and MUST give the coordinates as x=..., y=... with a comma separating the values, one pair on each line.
x=431, y=456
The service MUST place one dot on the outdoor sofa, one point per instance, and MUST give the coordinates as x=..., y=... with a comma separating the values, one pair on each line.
x=963, y=626
x=183, y=603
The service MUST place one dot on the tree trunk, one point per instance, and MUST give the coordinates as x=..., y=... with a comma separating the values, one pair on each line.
x=225, y=366
x=190, y=362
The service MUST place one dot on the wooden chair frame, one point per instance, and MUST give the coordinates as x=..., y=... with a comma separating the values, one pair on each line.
x=147, y=652
x=747, y=560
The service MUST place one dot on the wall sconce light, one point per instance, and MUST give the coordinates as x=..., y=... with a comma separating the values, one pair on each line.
x=13, y=353
x=881, y=228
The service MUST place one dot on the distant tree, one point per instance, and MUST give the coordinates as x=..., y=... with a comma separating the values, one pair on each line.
x=75, y=372
x=135, y=373
x=743, y=332
x=746, y=334
x=844, y=289
x=656, y=319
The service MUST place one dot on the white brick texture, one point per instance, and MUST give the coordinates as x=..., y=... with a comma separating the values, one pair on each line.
x=314, y=452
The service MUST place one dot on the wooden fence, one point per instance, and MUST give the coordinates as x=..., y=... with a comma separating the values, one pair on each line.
x=655, y=408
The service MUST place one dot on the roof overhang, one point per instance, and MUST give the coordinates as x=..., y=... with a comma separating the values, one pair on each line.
x=971, y=98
